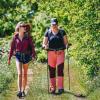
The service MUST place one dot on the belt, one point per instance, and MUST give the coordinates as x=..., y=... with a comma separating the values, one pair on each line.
x=56, y=49
x=22, y=53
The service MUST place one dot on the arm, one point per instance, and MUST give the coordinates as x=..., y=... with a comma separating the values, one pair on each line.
x=45, y=43
x=67, y=44
x=12, y=48
x=33, y=47
x=65, y=40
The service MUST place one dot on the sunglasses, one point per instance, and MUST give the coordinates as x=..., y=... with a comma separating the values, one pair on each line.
x=23, y=26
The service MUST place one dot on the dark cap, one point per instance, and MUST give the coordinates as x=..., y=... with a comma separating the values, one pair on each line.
x=54, y=21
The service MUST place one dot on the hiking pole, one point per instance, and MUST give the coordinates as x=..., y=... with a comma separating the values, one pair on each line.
x=47, y=70
x=68, y=64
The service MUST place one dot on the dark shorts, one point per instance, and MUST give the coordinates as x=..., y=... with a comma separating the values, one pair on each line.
x=24, y=58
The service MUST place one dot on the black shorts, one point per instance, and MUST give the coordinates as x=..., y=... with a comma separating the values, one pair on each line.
x=24, y=58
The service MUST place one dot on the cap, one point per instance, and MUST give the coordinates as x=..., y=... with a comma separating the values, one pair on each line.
x=54, y=21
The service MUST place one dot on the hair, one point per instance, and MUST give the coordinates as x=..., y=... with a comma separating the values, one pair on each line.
x=18, y=26
x=27, y=25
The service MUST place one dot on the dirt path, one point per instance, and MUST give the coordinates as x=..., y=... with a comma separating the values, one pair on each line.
x=30, y=79
x=38, y=90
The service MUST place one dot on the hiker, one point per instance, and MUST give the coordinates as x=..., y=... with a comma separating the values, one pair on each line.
x=22, y=47
x=55, y=41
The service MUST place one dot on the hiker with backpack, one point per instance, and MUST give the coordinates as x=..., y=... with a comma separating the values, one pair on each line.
x=55, y=41
x=22, y=47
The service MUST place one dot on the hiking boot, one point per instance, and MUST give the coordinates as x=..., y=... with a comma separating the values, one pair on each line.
x=60, y=91
x=19, y=94
x=23, y=94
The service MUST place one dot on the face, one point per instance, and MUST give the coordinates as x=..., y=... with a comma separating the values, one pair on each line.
x=22, y=29
x=54, y=27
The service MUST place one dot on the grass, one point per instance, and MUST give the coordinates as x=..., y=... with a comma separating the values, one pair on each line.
x=38, y=88
x=95, y=95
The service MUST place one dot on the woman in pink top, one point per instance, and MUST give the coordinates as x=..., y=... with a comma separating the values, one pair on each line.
x=22, y=47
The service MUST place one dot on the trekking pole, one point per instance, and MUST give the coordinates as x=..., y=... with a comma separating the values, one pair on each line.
x=68, y=64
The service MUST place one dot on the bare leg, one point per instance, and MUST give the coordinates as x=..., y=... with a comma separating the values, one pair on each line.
x=19, y=71
x=25, y=69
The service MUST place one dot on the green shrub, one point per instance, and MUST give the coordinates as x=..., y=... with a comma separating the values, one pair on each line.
x=7, y=72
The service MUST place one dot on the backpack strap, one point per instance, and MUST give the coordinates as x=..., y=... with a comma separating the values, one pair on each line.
x=60, y=32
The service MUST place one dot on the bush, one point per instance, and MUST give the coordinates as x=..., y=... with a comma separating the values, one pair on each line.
x=7, y=73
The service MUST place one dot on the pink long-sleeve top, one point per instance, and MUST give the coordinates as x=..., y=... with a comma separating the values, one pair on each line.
x=25, y=46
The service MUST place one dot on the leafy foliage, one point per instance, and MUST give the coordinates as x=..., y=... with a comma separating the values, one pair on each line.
x=11, y=12
x=80, y=19
x=7, y=73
